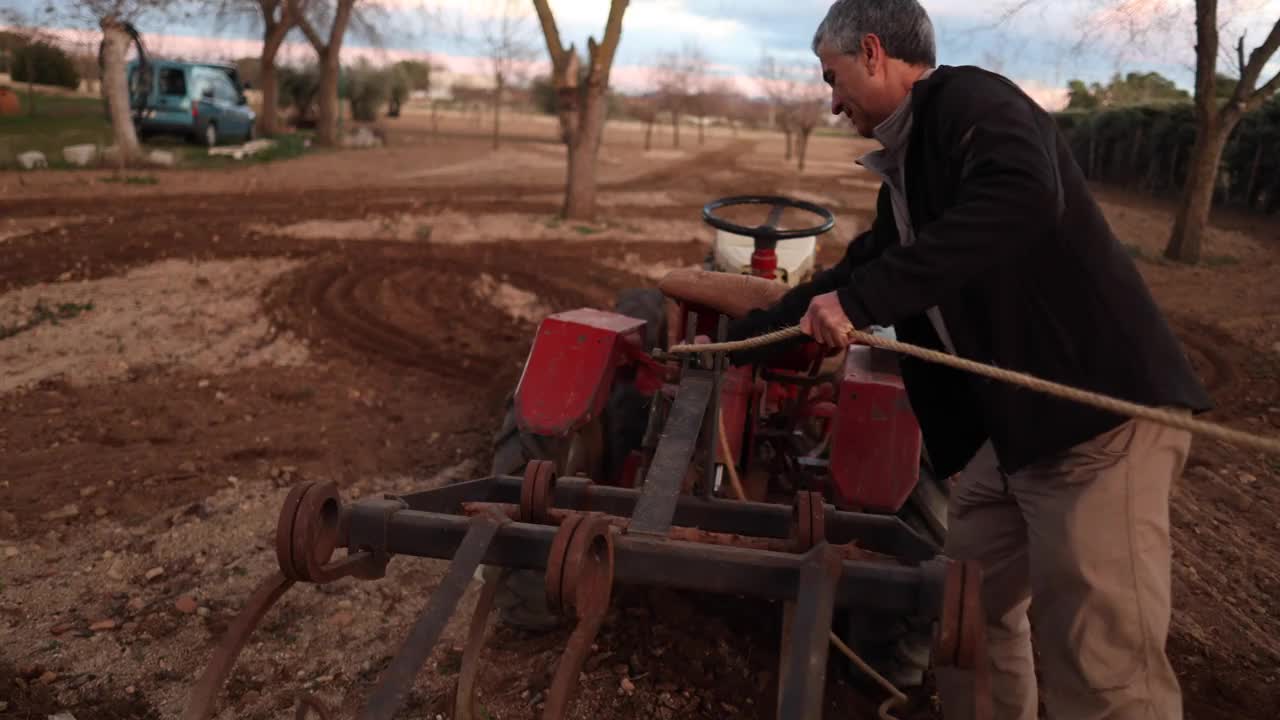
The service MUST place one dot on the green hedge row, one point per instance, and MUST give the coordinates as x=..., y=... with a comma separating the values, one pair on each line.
x=1147, y=148
x=45, y=64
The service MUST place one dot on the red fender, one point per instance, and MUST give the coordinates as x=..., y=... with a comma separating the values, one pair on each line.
x=569, y=372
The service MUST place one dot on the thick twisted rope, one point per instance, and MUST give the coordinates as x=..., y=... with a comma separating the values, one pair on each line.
x=1169, y=418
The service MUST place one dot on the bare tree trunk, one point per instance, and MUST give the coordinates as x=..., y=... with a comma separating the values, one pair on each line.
x=1211, y=133
x=648, y=135
x=786, y=131
x=580, y=186
x=31, y=85
x=1093, y=137
x=1133, y=157
x=117, y=90
x=675, y=128
x=329, y=53
x=1253, y=176
x=580, y=195
x=802, y=145
x=269, y=80
x=582, y=128
x=1187, y=239
x=435, y=117
x=497, y=111
x=328, y=106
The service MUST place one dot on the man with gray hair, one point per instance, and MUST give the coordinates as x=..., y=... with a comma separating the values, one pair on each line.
x=987, y=244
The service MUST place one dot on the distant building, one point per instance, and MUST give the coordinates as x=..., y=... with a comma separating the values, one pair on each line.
x=444, y=82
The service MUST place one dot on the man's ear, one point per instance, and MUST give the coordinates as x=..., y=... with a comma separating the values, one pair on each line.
x=872, y=53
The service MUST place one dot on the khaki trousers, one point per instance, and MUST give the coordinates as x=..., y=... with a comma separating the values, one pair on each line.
x=1076, y=555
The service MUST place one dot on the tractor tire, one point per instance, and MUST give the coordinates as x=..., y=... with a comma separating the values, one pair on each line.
x=899, y=647
x=646, y=304
x=522, y=595
x=521, y=598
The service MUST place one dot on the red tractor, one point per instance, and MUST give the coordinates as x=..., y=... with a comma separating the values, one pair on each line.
x=611, y=471
x=596, y=395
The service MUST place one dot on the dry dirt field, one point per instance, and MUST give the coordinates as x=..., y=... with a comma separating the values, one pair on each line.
x=186, y=351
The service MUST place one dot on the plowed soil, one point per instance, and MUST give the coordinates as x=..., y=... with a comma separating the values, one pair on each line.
x=198, y=354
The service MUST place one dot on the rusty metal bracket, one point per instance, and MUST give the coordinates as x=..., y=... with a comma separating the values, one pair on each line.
x=536, y=499
x=205, y=692
x=307, y=533
x=579, y=579
x=801, y=688
x=398, y=679
x=809, y=518
x=464, y=705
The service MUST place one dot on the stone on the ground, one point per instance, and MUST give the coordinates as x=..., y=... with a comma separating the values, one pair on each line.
x=362, y=137
x=239, y=152
x=163, y=158
x=65, y=512
x=80, y=155
x=32, y=159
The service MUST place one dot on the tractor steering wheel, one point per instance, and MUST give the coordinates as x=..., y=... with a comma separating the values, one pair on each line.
x=767, y=234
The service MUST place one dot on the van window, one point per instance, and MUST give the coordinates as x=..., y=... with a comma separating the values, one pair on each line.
x=173, y=82
x=203, y=81
x=224, y=89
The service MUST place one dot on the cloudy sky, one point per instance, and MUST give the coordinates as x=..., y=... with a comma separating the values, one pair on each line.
x=1041, y=46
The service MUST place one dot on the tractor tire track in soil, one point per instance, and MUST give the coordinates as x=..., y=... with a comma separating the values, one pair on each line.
x=1226, y=574
x=1214, y=355
x=422, y=307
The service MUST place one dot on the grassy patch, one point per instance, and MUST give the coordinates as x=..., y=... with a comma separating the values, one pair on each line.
x=287, y=147
x=1221, y=260
x=51, y=123
x=132, y=180
x=42, y=314
x=586, y=230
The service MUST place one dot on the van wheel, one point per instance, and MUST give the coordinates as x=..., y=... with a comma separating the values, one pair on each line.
x=210, y=135
x=252, y=133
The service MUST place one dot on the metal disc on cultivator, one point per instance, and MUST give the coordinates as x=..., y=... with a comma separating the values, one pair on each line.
x=583, y=537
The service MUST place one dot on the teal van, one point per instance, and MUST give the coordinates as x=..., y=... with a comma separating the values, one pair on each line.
x=203, y=102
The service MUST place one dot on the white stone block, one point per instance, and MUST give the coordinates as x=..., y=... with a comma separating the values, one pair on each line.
x=32, y=159
x=80, y=155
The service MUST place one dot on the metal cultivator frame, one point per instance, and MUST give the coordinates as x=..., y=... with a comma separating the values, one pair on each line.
x=586, y=537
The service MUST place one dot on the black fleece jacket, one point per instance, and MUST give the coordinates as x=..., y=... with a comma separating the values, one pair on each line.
x=1017, y=255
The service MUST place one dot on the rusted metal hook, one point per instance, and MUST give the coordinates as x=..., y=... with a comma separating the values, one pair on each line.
x=464, y=704
x=307, y=533
x=579, y=579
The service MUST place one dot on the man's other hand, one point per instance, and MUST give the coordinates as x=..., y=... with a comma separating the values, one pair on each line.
x=826, y=322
